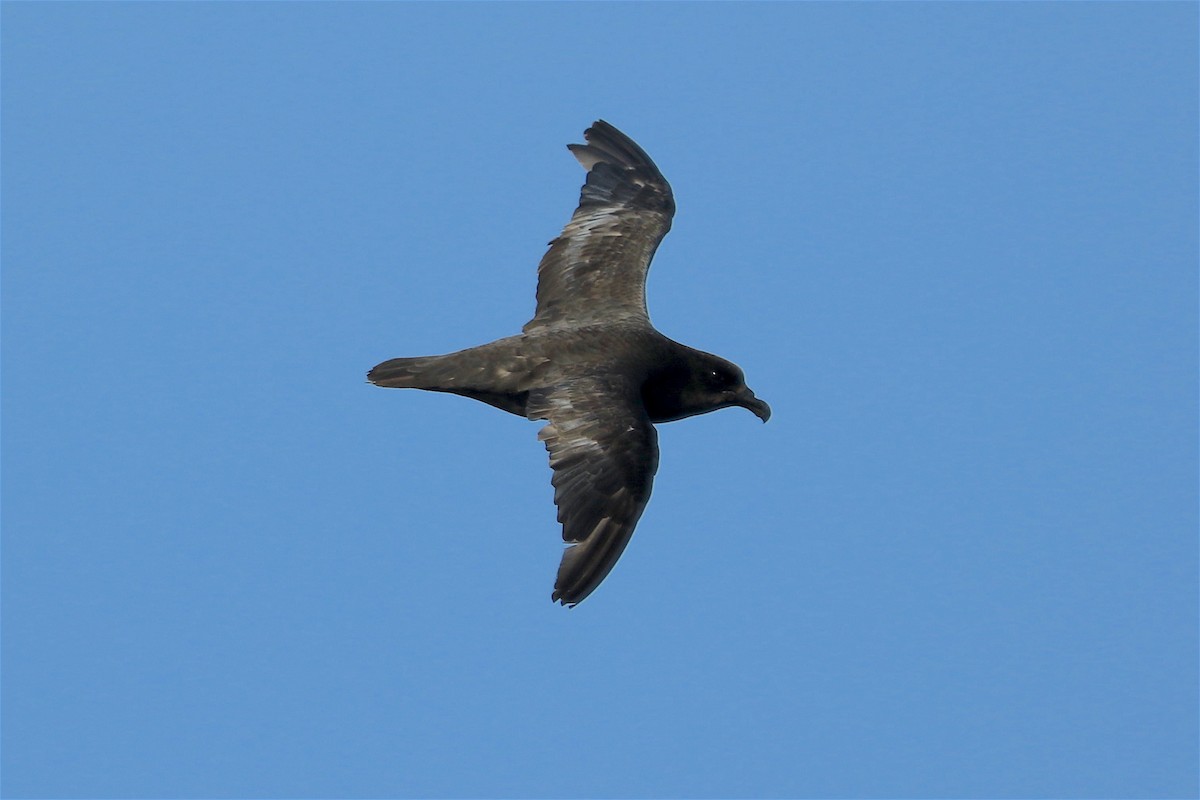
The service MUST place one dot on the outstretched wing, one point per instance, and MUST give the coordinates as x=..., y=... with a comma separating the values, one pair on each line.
x=596, y=269
x=604, y=453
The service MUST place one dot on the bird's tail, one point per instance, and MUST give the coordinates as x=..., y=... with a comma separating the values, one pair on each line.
x=408, y=373
x=497, y=374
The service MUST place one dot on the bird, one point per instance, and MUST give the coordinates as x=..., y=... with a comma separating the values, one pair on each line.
x=590, y=363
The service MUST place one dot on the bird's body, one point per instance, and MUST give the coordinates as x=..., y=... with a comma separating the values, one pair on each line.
x=591, y=363
x=502, y=373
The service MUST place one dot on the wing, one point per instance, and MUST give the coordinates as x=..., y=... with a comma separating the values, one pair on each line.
x=596, y=269
x=604, y=453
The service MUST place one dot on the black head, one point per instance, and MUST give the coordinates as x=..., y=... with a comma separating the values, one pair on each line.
x=705, y=383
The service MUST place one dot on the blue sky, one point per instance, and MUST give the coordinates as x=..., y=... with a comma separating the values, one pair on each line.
x=953, y=245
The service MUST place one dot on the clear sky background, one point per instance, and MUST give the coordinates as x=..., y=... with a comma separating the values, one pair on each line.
x=953, y=245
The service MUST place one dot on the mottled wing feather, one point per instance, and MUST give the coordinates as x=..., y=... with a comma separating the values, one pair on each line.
x=604, y=453
x=596, y=269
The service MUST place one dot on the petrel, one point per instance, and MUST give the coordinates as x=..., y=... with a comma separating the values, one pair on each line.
x=591, y=363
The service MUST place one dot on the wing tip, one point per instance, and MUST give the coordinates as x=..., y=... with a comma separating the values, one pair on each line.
x=606, y=143
x=558, y=597
x=570, y=591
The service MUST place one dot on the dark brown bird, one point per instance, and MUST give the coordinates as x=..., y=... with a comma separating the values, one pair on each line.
x=591, y=363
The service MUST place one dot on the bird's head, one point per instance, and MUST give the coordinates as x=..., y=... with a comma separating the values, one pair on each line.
x=718, y=383
x=706, y=384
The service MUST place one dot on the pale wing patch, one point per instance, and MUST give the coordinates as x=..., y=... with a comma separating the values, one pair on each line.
x=604, y=453
x=596, y=269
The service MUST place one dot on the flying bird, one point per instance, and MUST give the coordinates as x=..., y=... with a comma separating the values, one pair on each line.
x=590, y=362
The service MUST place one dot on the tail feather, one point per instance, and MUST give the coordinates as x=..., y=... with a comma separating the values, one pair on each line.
x=402, y=373
x=471, y=373
x=500, y=366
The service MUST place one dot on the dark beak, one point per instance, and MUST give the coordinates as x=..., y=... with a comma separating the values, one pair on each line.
x=747, y=400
